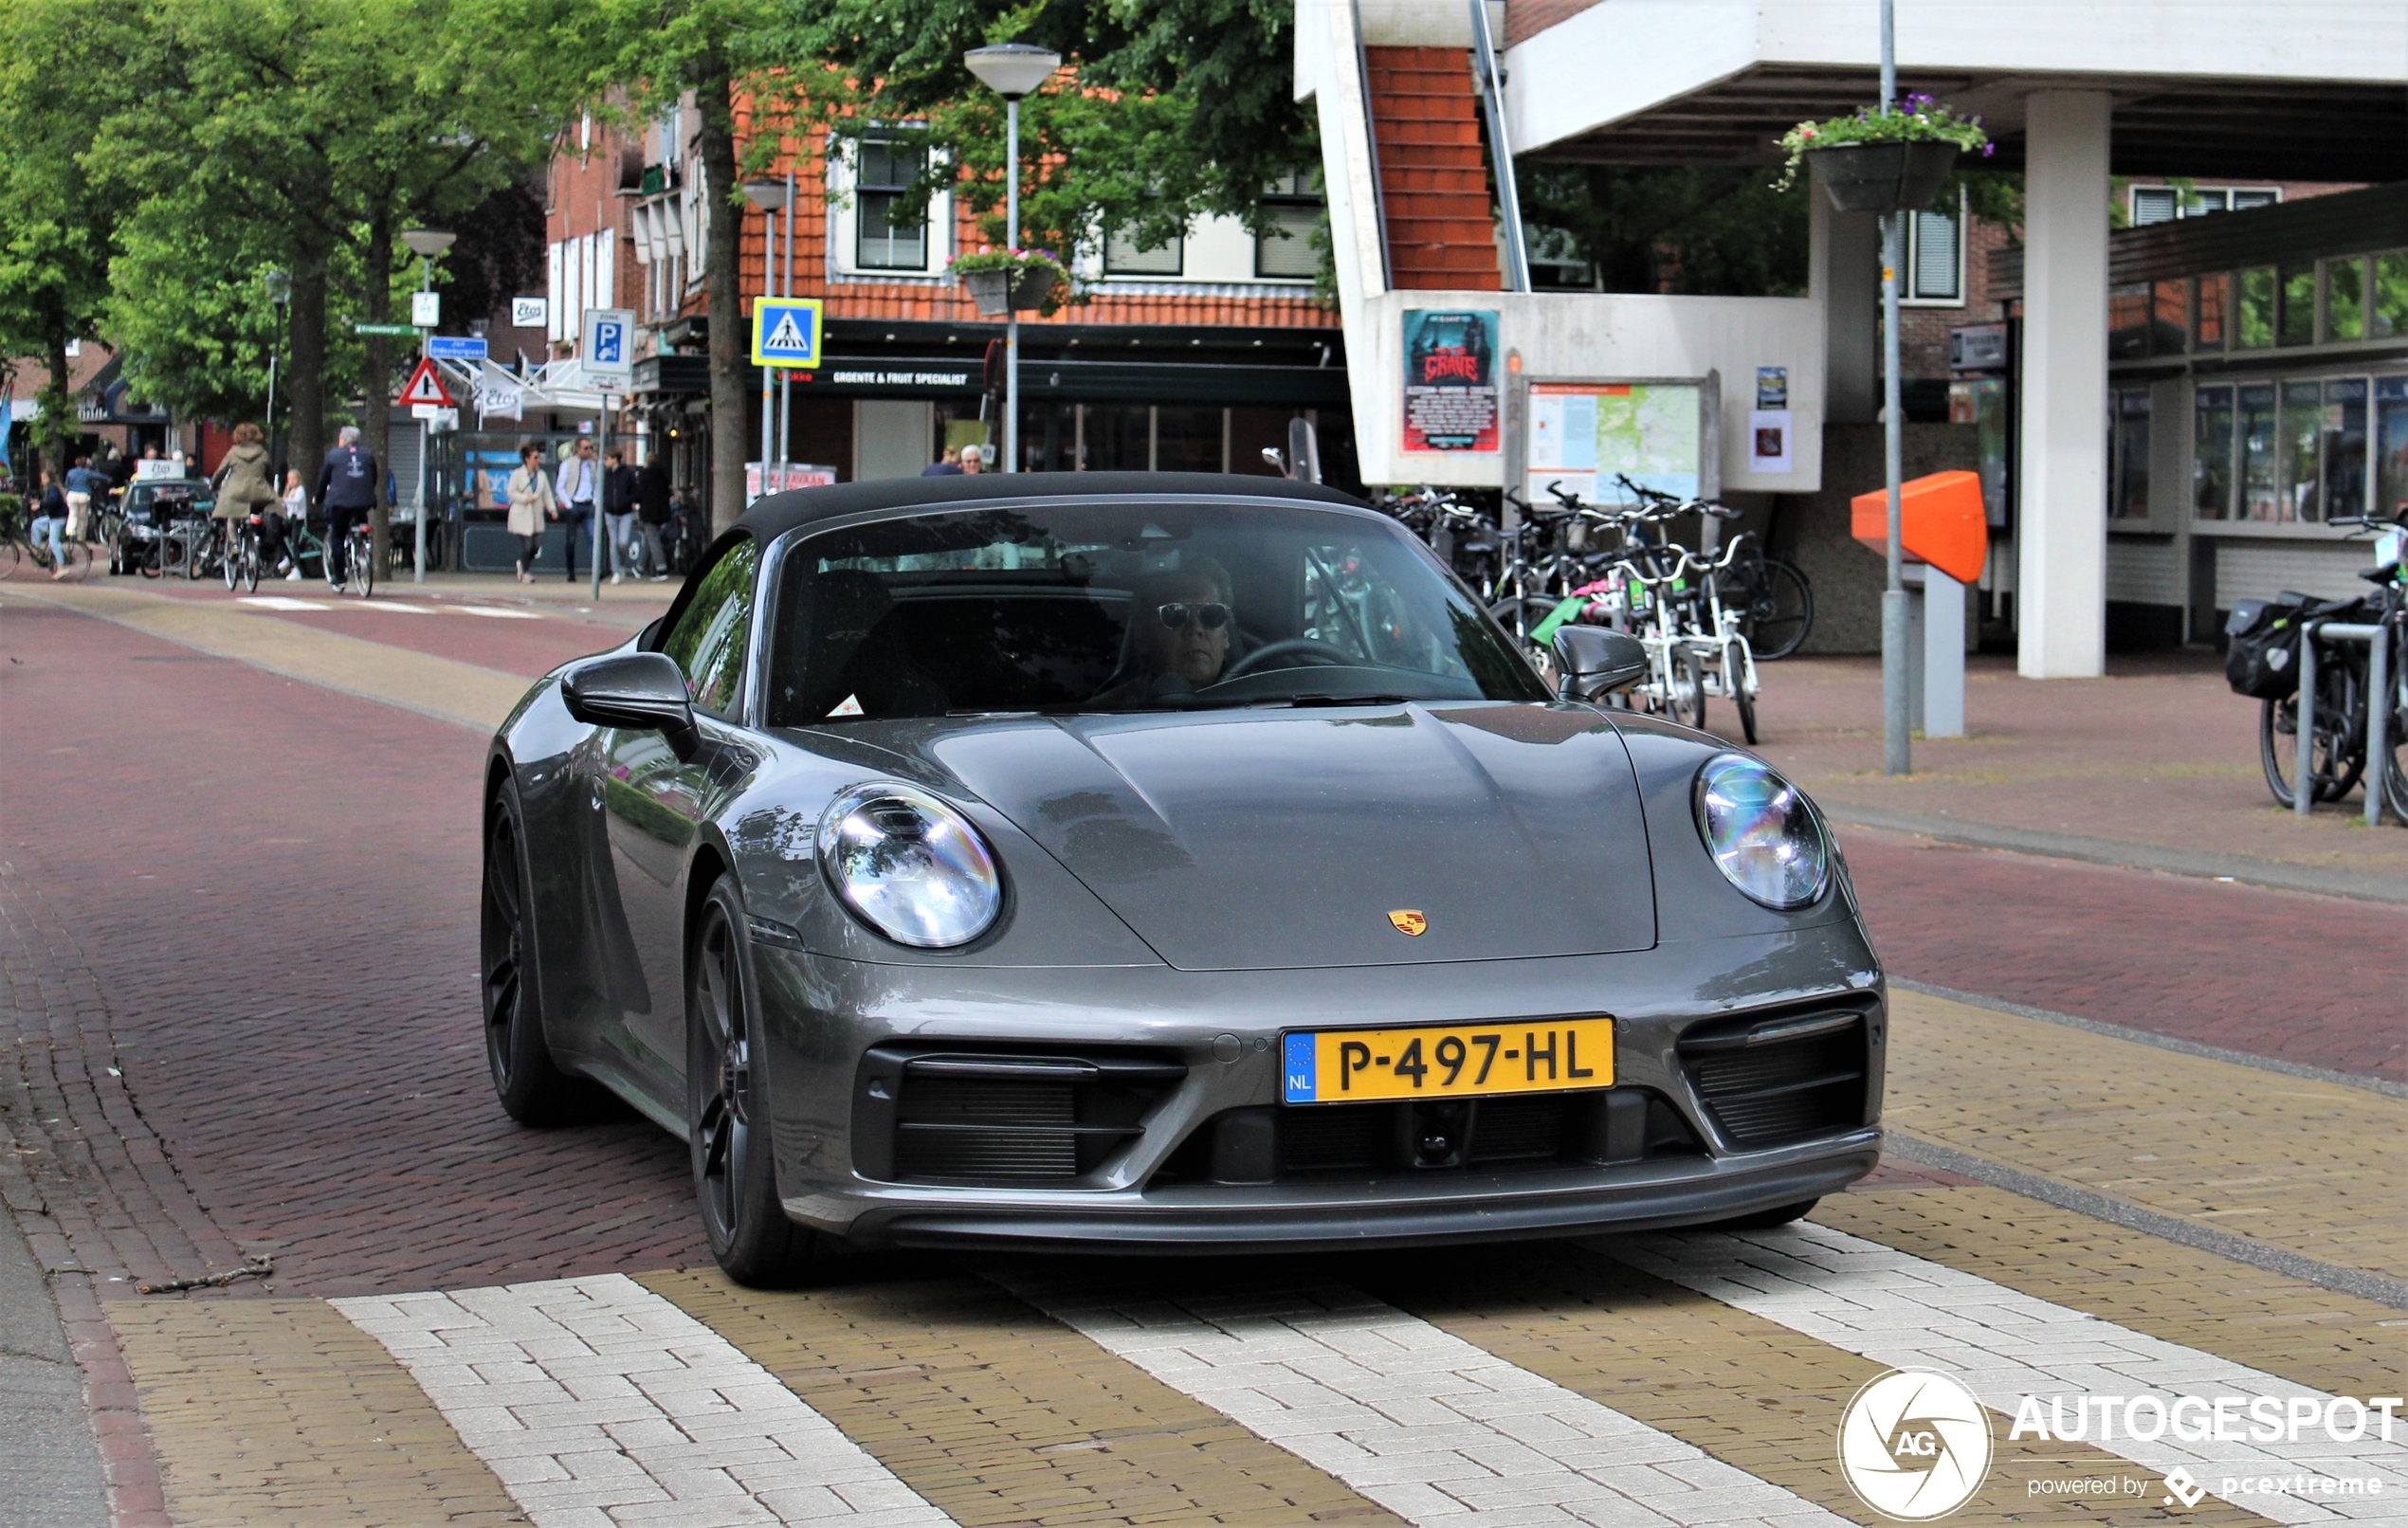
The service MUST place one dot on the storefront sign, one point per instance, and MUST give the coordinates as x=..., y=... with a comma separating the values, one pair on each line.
x=1450, y=379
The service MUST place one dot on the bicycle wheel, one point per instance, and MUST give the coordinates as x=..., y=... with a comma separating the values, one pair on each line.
x=363, y=566
x=11, y=558
x=1736, y=684
x=231, y=566
x=197, y=556
x=1776, y=605
x=1687, y=703
x=250, y=566
x=2333, y=765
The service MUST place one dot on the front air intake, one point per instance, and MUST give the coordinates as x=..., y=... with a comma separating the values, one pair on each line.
x=1000, y=1117
x=1777, y=1081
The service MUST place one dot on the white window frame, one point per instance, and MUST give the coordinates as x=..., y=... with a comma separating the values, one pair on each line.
x=1179, y=248
x=2223, y=201
x=1914, y=264
x=844, y=225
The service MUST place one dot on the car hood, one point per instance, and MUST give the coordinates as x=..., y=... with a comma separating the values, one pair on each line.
x=1252, y=839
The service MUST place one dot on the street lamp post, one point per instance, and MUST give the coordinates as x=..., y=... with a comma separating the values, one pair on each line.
x=1011, y=70
x=425, y=244
x=769, y=195
x=1896, y=705
x=280, y=294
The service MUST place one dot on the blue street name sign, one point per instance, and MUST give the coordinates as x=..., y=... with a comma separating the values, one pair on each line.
x=456, y=348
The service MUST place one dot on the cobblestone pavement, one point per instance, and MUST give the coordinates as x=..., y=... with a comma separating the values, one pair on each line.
x=237, y=871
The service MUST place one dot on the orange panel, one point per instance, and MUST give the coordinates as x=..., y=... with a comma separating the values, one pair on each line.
x=1940, y=520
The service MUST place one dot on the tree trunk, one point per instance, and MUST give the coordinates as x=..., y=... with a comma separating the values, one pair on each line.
x=56, y=431
x=375, y=426
x=306, y=385
x=714, y=93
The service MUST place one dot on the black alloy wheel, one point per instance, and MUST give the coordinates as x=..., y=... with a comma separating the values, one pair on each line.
x=727, y=1112
x=531, y=1085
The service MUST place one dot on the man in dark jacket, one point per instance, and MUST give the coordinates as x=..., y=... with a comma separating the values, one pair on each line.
x=347, y=491
x=618, y=514
x=652, y=512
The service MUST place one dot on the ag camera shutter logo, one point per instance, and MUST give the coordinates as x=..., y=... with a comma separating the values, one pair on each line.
x=1914, y=1444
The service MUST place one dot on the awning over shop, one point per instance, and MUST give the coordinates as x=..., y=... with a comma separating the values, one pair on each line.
x=1082, y=381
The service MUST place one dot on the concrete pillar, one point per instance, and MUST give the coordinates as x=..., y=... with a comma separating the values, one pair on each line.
x=1843, y=269
x=2061, y=523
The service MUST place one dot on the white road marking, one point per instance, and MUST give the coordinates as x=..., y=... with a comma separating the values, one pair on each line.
x=1427, y=1425
x=496, y=612
x=396, y=604
x=598, y=1402
x=1903, y=1311
x=279, y=602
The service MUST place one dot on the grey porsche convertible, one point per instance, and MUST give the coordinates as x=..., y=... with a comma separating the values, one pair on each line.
x=1151, y=863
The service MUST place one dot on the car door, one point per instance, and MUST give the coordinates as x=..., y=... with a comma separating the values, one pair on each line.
x=654, y=804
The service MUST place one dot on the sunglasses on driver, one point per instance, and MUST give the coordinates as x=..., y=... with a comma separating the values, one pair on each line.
x=1211, y=617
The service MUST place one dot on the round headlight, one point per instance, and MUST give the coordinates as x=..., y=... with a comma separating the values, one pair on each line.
x=909, y=866
x=1761, y=832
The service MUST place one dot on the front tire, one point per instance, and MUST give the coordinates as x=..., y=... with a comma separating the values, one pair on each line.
x=532, y=1088
x=727, y=1113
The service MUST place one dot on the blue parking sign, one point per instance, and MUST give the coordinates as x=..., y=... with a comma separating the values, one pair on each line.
x=786, y=330
x=606, y=350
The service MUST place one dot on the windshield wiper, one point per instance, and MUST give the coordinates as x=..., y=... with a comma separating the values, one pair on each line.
x=1340, y=699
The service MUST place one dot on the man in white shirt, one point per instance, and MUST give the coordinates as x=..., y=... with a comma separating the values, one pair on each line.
x=579, y=482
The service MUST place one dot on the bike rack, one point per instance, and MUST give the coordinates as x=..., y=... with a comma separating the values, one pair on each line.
x=2378, y=713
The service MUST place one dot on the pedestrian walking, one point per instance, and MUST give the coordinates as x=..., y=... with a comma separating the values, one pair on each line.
x=51, y=520
x=82, y=483
x=618, y=515
x=347, y=489
x=246, y=485
x=652, y=515
x=578, y=484
x=296, y=513
x=947, y=465
x=531, y=503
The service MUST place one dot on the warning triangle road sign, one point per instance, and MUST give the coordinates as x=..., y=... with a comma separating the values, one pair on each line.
x=426, y=385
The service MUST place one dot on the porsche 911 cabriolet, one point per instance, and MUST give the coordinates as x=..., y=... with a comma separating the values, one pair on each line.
x=1150, y=862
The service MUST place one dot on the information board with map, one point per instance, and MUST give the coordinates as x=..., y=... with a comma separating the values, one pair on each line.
x=1584, y=433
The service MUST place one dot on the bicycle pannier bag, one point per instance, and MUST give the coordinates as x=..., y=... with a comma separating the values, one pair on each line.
x=2263, y=659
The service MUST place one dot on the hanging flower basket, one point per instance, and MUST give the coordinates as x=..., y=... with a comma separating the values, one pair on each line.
x=1883, y=161
x=1008, y=280
x=1882, y=178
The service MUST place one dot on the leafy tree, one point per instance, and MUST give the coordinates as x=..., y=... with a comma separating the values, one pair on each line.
x=1704, y=232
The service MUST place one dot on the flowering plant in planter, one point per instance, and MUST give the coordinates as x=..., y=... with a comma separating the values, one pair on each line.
x=1005, y=280
x=1916, y=121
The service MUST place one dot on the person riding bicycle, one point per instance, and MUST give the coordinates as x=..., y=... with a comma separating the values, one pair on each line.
x=246, y=486
x=347, y=490
x=51, y=520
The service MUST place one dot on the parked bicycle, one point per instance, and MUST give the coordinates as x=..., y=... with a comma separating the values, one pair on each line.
x=2263, y=661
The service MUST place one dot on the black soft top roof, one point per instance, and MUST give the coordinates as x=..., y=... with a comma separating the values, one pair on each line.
x=779, y=513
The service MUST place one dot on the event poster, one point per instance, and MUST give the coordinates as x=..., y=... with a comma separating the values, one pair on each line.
x=1583, y=434
x=1450, y=379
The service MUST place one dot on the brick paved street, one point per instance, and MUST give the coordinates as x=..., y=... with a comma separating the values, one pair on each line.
x=237, y=927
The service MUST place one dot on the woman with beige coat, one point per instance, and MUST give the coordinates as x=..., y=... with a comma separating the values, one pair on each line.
x=529, y=491
x=246, y=486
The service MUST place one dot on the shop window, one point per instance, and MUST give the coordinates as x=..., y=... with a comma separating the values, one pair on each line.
x=2129, y=455
x=2214, y=302
x=2391, y=446
x=2345, y=300
x=1935, y=259
x=890, y=225
x=1123, y=257
x=2128, y=321
x=2297, y=448
x=2391, y=296
x=2169, y=318
x=1187, y=439
x=1291, y=210
x=2256, y=326
x=2261, y=494
x=2345, y=446
x=2212, y=454
x=2299, y=306
x=1118, y=437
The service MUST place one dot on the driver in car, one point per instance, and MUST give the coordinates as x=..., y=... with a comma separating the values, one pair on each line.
x=1179, y=628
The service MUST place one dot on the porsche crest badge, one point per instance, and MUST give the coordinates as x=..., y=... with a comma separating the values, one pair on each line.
x=1409, y=922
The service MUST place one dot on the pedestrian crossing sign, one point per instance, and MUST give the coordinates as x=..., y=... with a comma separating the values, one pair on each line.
x=786, y=330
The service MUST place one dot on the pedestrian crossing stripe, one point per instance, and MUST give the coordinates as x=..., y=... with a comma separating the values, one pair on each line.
x=786, y=331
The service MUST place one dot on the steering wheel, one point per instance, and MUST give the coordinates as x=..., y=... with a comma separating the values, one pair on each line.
x=1322, y=652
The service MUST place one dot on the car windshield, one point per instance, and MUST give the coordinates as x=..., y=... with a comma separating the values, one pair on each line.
x=1128, y=605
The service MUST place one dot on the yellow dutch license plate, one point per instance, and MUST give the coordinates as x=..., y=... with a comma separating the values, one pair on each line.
x=1455, y=1060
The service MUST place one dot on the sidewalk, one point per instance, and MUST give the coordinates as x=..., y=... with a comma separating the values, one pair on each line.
x=2159, y=756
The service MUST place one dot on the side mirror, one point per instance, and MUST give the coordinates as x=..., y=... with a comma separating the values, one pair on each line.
x=1278, y=462
x=634, y=690
x=1596, y=661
